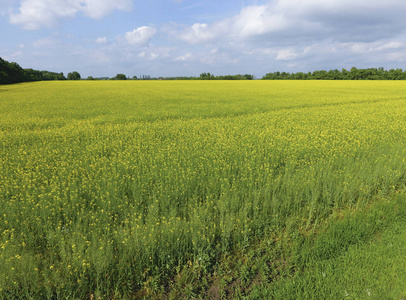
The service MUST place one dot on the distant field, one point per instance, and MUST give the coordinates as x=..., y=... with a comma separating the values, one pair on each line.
x=202, y=189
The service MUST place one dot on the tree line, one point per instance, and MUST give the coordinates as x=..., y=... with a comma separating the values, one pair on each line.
x=202, y=76
x=353, y=74
x=14, y=73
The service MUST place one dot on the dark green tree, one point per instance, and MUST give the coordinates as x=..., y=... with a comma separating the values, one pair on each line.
x=120, y=77
x=10, y=72
x=74, y=76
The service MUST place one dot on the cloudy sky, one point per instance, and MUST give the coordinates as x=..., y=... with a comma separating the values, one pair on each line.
x=188, y=37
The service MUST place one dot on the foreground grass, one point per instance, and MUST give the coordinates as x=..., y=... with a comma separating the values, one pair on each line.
x=193, y=189
x=358, y=257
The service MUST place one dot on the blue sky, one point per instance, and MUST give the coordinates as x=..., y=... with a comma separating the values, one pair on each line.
x=188, y=37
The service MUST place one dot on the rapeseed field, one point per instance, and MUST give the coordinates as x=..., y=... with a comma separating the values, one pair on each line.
x=193, y=189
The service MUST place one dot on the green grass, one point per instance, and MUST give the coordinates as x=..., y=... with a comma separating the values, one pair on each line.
x=359, y=257
x=196, y=189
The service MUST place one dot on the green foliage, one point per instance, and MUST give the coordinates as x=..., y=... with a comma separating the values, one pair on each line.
x=13, y=73
x=192, y=189
x=208, y=76
x=120, y=77
x=10, y=72
x=74, y=76
x=357, y=256
x=353, y=74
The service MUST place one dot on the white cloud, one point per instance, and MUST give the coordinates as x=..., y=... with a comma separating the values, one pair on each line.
x=101, y=40
x=35, y=14
x=298, y=21
x=251, y=21
x=154, y=55
x=374, y=47
x=97, y=9
x=140, y=36
x=198, y=33
x=257, y=20
x=186, y=57
x=301, y=35
x=286, y=54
